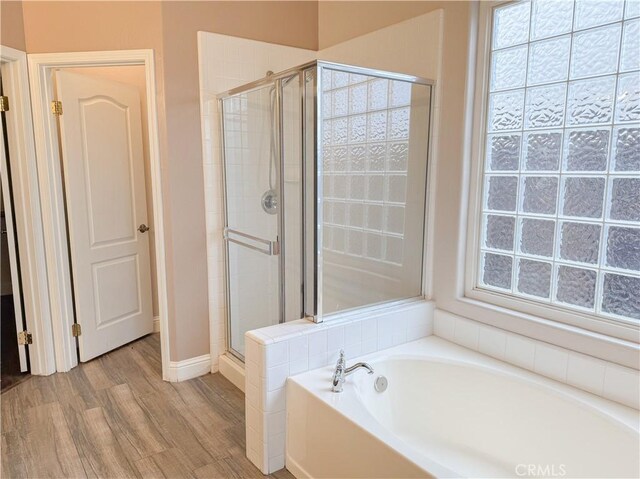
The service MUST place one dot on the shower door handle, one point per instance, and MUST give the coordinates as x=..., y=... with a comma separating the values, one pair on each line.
x=270, y=248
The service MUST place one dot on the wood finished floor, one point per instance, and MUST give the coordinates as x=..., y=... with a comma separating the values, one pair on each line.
x=114, y=417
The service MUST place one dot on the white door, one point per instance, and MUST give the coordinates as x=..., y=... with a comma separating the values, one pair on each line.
x=101, y=139
x=9, y=242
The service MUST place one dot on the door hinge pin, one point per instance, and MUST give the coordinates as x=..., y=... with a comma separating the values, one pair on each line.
x=56, y=107
x=4, y=103
x=25, y=337
x=76, y=330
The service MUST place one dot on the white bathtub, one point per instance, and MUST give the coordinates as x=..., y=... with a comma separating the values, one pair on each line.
x=451, y=412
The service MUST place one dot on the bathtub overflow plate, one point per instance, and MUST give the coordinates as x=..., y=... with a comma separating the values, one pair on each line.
x=381, y=384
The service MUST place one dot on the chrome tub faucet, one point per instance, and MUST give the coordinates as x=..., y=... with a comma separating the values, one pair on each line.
x=342, y=371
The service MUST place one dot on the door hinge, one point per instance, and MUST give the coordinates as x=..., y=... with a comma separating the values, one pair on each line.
x=76, y=330
x=25, y=337
x=56, y=107
x=4, y=103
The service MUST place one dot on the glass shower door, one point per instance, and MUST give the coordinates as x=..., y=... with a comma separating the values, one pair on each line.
x=253, y=211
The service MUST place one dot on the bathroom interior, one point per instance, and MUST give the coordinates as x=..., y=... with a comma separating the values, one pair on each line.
x=388, y=239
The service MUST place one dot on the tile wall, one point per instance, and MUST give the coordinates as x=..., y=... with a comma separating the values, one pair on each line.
x=277, y=352
x=606, y=379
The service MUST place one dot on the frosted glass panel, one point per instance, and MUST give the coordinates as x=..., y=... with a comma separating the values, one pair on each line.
x=590, y=13
x=537, y=237
x=587, y=150
x=580, y=242
x=551, y=18
x=561, y=184
x=374, y=193
x=497, y=270
x=620, y=295
x=583, y=197
x=545, y=106
x=630, y=55
x=623, y=248
x=506, y=111
x=500, y=231
x=504, y=152
x=590, y=101
x=509, y=68
x=625, y=199
x=626, y=149
x=632, y=9
x=628, y=98
x=511, y=25
x=534, y=278
x=540, y=194
x=543, y=151
x=502, y=193
x=549, y=61
x=595, y=52
x=576, y=286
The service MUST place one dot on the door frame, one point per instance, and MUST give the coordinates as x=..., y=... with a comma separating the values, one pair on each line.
x=29, y=231
x=41, y=67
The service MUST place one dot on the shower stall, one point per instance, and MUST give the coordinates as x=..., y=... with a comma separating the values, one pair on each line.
x=325, y=179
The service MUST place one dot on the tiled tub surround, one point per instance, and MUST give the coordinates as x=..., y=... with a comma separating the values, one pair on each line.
x=277, y=352
x=603, y=378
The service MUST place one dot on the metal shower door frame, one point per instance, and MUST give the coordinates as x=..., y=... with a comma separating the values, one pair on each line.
x=314, y=292
x=312, y=182
x=276, y=248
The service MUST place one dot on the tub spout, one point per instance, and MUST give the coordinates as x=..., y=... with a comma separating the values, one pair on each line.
x=357, y=366
x=342, y=372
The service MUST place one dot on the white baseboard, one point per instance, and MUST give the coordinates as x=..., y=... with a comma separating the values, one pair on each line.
x=156, y=324
x=294, y=468
x=189, y=368
x=232, y=370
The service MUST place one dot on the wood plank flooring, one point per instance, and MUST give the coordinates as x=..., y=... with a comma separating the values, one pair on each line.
x=114, y=417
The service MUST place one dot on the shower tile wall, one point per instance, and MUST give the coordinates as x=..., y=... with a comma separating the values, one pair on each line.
x=227, y=62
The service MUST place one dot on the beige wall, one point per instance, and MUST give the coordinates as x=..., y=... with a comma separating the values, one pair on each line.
x=289, y=23
x=11, y=25
x=85, y=26
x=339, y=21
x=170, y=29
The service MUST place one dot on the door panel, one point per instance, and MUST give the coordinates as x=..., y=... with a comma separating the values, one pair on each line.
x=252, y=179
x=108, y=170
x=101, y=140
x=117, y=294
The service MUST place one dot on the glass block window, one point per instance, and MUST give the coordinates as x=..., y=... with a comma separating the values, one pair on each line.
x=561, y=192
